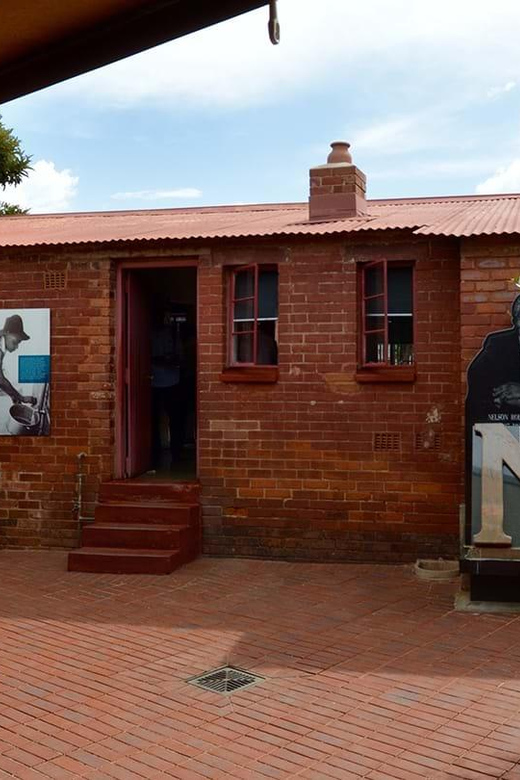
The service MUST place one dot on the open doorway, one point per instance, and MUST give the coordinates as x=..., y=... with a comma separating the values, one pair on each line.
x=159, y=371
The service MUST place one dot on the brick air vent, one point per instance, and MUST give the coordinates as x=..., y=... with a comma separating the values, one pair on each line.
x=387, y=441
x=54, y=280
x=426, y=441
x=225, y=680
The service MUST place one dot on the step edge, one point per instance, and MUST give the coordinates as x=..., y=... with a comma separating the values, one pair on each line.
x=139, y=552
x=135, y=526
x=151, y=504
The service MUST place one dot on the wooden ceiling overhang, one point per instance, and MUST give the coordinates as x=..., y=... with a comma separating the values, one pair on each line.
x=43, y=42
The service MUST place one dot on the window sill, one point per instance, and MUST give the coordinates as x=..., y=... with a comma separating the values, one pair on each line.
x=250, y=374
x=386, y=374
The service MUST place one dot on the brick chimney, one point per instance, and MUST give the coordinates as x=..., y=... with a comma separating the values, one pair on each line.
x=337, y=189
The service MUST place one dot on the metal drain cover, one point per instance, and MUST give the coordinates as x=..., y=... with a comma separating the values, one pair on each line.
x=225, y=680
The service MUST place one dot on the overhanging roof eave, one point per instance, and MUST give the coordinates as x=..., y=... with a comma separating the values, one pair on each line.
x=148, y=24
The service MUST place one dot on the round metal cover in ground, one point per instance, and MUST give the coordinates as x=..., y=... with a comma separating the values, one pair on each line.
x=226, y=680
x=436, y=570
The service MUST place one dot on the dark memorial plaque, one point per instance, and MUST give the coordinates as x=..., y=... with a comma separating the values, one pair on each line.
x=492, y=531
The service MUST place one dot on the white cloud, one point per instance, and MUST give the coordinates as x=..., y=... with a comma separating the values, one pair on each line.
x=233, y=64
x=506, y=179
x=183, y=192
x=387, y=136
x=45, y=189
x=495, y=92
x=404, y=134
x=433, y=127
x=437, y=169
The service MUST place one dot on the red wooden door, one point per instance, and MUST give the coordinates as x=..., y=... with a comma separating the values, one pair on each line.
x=137, y=378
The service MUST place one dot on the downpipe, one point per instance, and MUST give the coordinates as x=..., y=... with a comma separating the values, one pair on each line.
x=78, y=501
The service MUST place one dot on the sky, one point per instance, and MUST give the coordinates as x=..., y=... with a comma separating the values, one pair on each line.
x=427, y=93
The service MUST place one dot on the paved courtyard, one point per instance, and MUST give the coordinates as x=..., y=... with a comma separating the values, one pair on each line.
x=368, y=674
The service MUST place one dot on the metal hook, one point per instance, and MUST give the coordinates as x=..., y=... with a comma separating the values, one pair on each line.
x=274, y=24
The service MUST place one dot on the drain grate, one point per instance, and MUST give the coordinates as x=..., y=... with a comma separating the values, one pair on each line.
x=226, y=680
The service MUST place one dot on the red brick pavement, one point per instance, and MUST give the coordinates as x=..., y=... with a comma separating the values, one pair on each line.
x=369, y=674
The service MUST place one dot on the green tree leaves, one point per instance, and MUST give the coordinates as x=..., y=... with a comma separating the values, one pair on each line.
x=14, y=165
x=11, y=209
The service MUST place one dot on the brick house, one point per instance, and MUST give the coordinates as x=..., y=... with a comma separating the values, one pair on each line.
x=326, y=345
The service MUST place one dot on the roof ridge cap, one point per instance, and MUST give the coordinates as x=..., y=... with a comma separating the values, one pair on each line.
x=444, y=199
x=229, y=207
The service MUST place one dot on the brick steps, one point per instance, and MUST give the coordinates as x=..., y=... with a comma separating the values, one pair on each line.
x=113, y=560
x=145, y=513
x=158, y=537
x=152, y=492
x=140, y=528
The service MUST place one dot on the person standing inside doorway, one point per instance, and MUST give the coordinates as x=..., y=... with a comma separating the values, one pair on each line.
x=166, y=396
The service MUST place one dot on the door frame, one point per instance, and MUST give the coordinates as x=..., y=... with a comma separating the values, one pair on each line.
x=123, y=268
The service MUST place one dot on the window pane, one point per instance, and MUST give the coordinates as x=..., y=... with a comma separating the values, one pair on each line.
x=374, y=319
x=374, y=280
x=245, y=326
x=243, y=348
x=375, y=348
x=400, y=340
x=244, y=310
x=267, y=346
x=245, y=284
x=399, y=290
x=374, y=322
x=375, y=305
x=268, y=294
x=246, y=329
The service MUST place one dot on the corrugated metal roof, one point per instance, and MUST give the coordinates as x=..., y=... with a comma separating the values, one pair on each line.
x=453, y=216
x=494, y=215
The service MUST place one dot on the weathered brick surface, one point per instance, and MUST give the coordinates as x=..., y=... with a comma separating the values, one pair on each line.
x=37, y=475
x=296, y=475
x=488, y=266
x=288, y=470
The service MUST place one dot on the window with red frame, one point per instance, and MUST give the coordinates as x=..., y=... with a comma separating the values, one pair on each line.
x=387, y=314
x=254, y=316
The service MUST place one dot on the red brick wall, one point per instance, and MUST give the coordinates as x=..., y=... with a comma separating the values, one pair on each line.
x=487, y=290
x=37, y=474
x=289, y=470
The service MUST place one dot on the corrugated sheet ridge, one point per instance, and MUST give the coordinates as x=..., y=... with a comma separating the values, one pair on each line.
x=464, y=216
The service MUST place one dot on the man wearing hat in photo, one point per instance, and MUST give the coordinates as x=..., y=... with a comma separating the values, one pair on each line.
x=10, y=337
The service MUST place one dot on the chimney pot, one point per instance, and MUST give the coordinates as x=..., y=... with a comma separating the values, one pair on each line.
x=340, y=153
